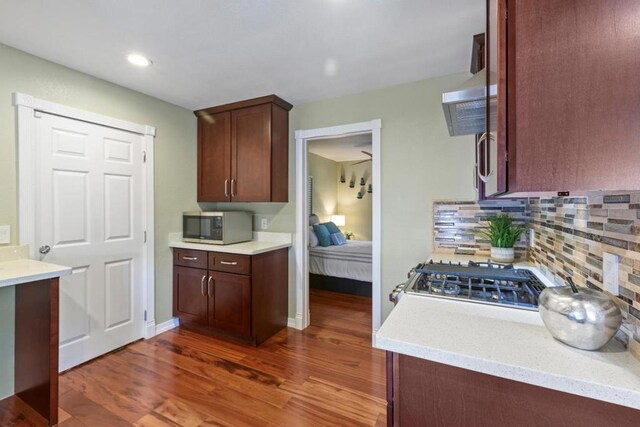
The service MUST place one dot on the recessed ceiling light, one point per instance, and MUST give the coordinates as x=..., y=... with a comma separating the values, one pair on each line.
x=139, y=60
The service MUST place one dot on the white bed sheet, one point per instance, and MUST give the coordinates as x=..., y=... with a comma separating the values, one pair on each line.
x=350, y=261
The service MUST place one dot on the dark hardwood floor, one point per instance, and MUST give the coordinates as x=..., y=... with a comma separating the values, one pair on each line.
x=327, y=375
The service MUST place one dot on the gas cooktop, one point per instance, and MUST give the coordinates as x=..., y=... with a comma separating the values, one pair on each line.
x=488, y=283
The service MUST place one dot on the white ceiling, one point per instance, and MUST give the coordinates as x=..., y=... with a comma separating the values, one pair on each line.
x=209, y=52
x=342, y=149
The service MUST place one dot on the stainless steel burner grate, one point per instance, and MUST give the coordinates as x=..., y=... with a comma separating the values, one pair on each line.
x=489, y=283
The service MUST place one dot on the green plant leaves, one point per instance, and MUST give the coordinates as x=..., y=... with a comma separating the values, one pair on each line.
x=502, y=232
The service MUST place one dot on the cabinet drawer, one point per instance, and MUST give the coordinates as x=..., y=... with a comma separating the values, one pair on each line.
x=190, y=258
x=230, y=263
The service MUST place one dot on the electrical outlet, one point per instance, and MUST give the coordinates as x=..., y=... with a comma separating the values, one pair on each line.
x=5, y=234
x=610, y=272
x=532, y=238
x=264, y=224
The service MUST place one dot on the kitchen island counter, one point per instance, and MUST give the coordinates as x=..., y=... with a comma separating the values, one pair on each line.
x=508, y=343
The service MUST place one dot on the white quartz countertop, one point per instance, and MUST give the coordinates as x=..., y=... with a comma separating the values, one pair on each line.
x=263, y=242
x=508, y=343
x=27, y=270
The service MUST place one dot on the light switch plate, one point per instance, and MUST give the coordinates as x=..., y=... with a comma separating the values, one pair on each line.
x=610, y=272
x=5, y=234
x=264, y=224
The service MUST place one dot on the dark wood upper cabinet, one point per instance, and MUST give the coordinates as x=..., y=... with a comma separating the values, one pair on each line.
x=214, y=152
x=568, y=98
x=243, y=151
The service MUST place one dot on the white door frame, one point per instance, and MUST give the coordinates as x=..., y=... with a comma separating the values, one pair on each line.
x=27, y=106
x=302, y=220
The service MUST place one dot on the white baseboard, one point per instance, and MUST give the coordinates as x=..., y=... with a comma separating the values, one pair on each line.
x=373, y=338
x=167, y=326
x=149, y=329
x=291, y=322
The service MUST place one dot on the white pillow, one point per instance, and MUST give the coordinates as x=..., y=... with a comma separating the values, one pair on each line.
x=313, y=239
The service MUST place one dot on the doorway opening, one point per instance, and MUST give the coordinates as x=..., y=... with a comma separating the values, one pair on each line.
x=352, y=268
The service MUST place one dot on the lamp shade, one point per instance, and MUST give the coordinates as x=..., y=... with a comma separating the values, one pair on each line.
x=338, y=220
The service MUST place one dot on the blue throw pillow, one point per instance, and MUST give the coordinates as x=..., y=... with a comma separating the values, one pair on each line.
x=331, y=227
x=338, y=239
x=324, y=237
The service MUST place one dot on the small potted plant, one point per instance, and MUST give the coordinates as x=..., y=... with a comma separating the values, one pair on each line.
x=503, y=235
x=348, y=235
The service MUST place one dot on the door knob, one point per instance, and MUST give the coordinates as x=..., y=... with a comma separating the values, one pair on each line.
x=44, y=249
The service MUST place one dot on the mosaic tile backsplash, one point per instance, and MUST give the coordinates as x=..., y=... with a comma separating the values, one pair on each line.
x=572, y=233
x=456, y=225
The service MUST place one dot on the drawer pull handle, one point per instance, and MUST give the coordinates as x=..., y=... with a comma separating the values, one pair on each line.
x=202, y=288
x=228, y=263
x=190, y=258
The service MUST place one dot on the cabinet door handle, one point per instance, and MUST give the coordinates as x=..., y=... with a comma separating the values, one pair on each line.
x=209, y=286
x=475, y=177
x=233, y=187
x=229, y=262
x=485, y=137
x=190, y=258
x=226, y=188
x=202, y=289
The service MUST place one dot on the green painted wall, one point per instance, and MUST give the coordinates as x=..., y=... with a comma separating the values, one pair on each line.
x=420, y=163
x=175, y=160
x=325, y=186
x=357, y=212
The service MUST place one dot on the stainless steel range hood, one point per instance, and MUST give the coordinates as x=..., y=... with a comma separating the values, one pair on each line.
x=465, y=107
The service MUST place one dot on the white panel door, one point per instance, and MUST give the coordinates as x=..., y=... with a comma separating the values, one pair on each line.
x=89, y=212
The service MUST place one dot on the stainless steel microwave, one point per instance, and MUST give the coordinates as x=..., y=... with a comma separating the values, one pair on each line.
x=217, y=228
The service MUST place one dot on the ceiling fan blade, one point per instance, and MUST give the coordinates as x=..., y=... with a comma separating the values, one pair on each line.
x=362, y=161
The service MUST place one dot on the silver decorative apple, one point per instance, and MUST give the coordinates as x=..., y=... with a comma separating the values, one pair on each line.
x=583, y=318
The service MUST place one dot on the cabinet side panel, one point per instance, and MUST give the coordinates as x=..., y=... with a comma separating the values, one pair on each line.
x=270, y=288
x=279, y=155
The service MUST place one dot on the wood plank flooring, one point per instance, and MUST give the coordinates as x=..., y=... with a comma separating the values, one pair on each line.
x=327, y=375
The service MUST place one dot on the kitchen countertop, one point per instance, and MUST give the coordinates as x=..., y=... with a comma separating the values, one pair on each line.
x=27, y=270
x=263, y=242
x=508, y=343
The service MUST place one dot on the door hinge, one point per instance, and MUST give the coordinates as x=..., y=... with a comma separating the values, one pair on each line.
x=144, y=157
x=145, y=236
x=145, y=315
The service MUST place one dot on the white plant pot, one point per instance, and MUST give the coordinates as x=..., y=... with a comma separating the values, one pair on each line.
x=502, y=254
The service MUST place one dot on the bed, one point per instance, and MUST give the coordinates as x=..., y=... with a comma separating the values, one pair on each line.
x=344, y=269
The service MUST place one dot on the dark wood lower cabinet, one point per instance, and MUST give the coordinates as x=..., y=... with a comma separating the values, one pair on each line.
x=230, y=303
x=425, y=393
x=189, y=295
x=240, y=297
